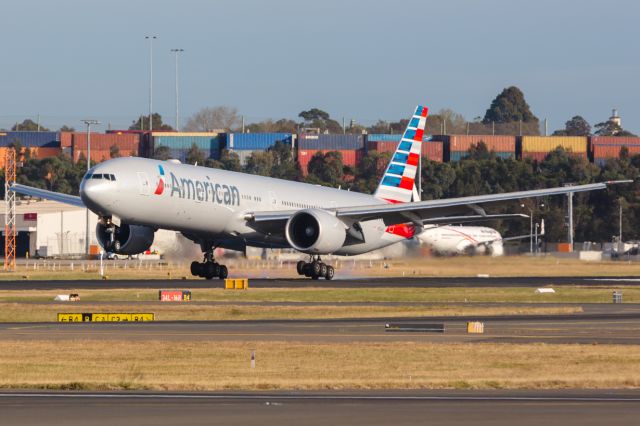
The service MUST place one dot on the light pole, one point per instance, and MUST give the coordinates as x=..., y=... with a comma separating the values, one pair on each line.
x=88, y=122
x=150, y=38
x=531, y=227
x=177, y=52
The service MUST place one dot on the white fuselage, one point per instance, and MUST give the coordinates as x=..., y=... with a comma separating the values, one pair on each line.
x=206, y=203
x=457, y=240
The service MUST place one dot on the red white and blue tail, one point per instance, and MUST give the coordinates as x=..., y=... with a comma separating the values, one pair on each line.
x=397, y=184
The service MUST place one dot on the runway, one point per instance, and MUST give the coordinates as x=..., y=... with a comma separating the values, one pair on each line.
x=597, y=325
x=524, y=408
x=425, y=282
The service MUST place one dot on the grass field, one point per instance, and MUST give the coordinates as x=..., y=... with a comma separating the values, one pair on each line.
x=14, y=312
x=93, y=364
x=410, y=267
x=563, y=294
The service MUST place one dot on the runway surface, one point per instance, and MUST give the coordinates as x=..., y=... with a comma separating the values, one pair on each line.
x=425, y=282
x=599, y=324
x=370, y=408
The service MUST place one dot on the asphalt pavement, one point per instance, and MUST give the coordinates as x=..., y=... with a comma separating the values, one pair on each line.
x=564, y=407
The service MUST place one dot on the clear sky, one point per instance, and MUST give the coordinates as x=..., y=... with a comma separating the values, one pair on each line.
x=362, y=59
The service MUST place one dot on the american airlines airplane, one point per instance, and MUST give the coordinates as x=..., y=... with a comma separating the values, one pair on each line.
x=134, y=197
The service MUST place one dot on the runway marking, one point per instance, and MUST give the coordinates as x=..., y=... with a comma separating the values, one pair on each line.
x=324, y=397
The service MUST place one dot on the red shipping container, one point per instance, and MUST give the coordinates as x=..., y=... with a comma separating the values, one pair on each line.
x=498, y=143
x=433, y=151
x=349, y=157
x=614, y=140
x=126, y=143
x=66, y=139
x=97, y=155
x=613, y=151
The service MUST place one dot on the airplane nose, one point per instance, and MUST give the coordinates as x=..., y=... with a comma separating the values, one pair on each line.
x=94, y=195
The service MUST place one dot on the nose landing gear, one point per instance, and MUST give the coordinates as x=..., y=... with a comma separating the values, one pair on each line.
x=209, y=268
x=315, y=269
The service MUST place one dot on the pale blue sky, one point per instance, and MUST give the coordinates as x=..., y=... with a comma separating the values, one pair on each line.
x=69, y=59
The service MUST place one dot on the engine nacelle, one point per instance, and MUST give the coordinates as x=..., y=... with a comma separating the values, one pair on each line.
x=315, y=231
x=127, y=239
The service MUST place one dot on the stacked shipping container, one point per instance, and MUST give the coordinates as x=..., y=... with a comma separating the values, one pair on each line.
x=349, y=146
x=457, y=146
x=180, y=144
x=432, y=150
x=102, y=145
x=245, y=144
x=31, y=139
x=605, y=147
x=538, y=147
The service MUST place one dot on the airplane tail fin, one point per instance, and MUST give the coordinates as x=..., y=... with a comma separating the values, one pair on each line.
x=398, y=182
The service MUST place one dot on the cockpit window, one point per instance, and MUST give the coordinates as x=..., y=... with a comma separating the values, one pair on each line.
x=88, y=176
x=97, y=176
x=107, y=176
x=113, y=177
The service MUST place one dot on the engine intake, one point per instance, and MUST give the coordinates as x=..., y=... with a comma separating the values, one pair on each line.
x=127, y=239
x=315, y=231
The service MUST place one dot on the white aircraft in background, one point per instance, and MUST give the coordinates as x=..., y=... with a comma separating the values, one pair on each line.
x=134, y=197
x=451, y=240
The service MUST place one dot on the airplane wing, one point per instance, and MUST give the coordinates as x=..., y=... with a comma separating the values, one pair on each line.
x=432, y=211
x=73, y=200
x=448, y=220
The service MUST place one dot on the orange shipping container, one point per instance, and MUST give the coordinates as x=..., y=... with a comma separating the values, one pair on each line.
x=127, y=143
x=432, y=150
x=499, y=143
x=97, y=155
x=41, y=153
x=540, y=156
x=613, y=151
x=614, y=140
x=66, y=139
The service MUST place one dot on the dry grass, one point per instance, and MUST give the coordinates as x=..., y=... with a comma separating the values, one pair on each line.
x=564, y=294
x=92, y=364
x=427, y=266
x=16, y=312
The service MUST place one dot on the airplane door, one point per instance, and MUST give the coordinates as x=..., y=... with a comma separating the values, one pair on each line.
x=144, y=187
x=273, y=200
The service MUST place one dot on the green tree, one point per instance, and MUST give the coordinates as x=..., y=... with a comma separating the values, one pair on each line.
x=611, y=128
x=577, y=126
x=369, y=171
x=326, y=169
x=29, y=125
x=509, y=106
x=66, y=128
x=269, y=126
x=317, y=118
x=260, y=163
x=162, y=153
x=229, y=160
x=142, y=123
x=195, y=156
x=114, y=151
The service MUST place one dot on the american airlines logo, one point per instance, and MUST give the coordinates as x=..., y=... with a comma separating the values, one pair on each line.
x=200, y=190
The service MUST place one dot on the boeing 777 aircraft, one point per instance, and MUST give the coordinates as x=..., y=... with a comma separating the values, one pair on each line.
x=134, y=197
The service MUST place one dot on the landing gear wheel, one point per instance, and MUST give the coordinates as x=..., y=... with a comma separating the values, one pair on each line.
x=306, y=271
x=300, y=267
x=323, y=270
x=196, y=268
x=210, y=270
x=223, y=273
x=315, y=277
x=315, y=268
x=330, y=273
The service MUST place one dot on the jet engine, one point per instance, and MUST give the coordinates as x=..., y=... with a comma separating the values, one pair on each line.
x=124, y=239
x=315, y=231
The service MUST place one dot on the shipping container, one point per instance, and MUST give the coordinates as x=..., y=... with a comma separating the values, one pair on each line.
x=97, y=155
x=349, y=157
x=382, y=137
x=576, y=144
x=432, y=150
x=128, y=144
x=330, y=142
x=66, y=139
x=499, y=143
x=44, y=152
x=206, y=142
x=540, y=156
x=256, y=141
x=30, y=139
x=613, y=151
x=459, y=155
x=614, y=140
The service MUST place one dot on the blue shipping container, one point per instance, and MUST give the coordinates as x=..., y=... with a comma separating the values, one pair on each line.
x=332, y=142
x=256, y=141
x=181, y=154
x=208, y=144
x=31, y=139
x=382, y=137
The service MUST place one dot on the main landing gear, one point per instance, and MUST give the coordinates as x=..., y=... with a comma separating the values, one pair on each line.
x=315, y=269
x=209, y=269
